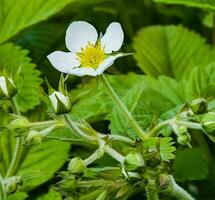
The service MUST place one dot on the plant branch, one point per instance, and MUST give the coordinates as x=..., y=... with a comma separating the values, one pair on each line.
x=123, y=108
x=177, y=191
x=3, y=194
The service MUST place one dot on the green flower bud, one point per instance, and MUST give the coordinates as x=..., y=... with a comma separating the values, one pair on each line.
x=34, y=137
x=69, y=184
x=134, y=159
x=12, y=183
x=199, y=106
x=163, y=181
x=208, y=123
x=19, y=122
x=182, y=130
x=184, y=139
x=76, y=165
x=60, y=103
x=7, y=88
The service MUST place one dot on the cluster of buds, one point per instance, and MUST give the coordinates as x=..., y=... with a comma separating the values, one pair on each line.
x=7, y=87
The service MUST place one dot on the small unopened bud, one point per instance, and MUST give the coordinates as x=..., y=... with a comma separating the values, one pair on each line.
x=7, y=88
x=134, y=159
x=208, y=123
x=154, y=161
x=19, y=122
x=184, y=139
x=12, y=183
x=34, y=137
x=60, y=103
x=76, y=165
x=199, y=106
x=163, y=181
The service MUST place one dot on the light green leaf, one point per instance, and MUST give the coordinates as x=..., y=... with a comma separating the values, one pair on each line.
x=201, y=82
x=190, y=164
x=171, y=51
x=145, y=104
x=93, y=102
x=19, y=14
x=18, y=196
x=42, y=162
x=206, y=4
x=166, y=147
x=12, y=58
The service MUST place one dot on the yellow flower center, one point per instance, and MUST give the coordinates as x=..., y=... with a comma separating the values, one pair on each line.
x=91, y=56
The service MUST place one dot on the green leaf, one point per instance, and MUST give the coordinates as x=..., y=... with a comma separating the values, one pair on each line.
x=171, y=51
x=42, y=162
x=13, y=18
x=12, y=59
x=206, y=4
x=145, y=104
x=201, y=82
x=18, y=196
x=166, y=147
x=190, y=164
x=93, y=103
x=51, y=195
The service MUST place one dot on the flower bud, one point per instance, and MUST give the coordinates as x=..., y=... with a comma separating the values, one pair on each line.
x=7, y=88
x=11, y=184
x=199, y=106
x=184, y=139
x=60, y=103
x=34, y=137
x=163, y=181
x=154, y=161
x=19, y=122
x=76, y=165
x=134, y=159
x=208, y=123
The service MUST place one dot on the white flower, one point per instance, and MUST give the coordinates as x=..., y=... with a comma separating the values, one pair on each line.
x=89, y=54
x=60, y=102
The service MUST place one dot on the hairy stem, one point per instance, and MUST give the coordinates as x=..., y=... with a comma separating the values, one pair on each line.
x=3, y=195
x=178, y=191
x=154, y=132
x=125, y=111
x=15, y=162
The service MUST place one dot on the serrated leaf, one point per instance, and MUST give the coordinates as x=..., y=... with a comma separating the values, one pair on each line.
x=93, y=102
x=12, y=58
x=201, y=82
x=171, y=51
x=145, y=104
x=190, y=164
x=166, y=147
x=205, y=4
x=42, y=162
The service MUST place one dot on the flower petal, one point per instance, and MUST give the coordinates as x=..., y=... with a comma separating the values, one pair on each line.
x=79, y=34
x=63, y=61
x=107, y=63
x=82, y=71
x=113, y=38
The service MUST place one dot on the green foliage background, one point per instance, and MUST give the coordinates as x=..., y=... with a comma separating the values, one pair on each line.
x=173, y=64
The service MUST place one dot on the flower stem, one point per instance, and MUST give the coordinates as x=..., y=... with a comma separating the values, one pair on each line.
x=114, y=154
x=3, y=195
x=77, y=130
x=154, y=132
x=178, y=191
x=15, y=162
x=120, y=104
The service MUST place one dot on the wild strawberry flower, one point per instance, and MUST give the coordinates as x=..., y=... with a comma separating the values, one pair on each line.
x=89, y=54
